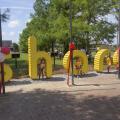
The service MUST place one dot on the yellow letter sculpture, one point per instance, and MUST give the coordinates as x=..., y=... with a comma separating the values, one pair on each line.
x=34, y=56
x=115, y=58
x=8, y=73
x=76, y=53
x=99, y=59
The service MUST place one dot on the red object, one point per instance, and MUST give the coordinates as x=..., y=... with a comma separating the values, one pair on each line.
x=5, y=50
x=0, y=87
x=71, y=46
x=118, y=50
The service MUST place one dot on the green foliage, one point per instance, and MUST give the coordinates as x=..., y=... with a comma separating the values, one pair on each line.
x=24, y=40
x=15, y=47
x=5, y=15
x=50, y=23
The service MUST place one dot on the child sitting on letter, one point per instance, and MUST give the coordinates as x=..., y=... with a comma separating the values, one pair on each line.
x=78, y=66
x=109, y=62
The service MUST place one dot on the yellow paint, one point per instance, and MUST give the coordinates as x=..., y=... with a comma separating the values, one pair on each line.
x=8, y=56
x=115, y=57
x=99, y=60
x=34, y=56
x=7, y=73
x=108, y=61
x=76, y=53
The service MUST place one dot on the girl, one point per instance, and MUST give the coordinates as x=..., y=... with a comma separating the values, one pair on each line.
x=78, y=66
x=42, y=68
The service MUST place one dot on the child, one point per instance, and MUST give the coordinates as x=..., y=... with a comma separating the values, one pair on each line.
x=42, y=68
x=78, y=66
x=109, y=62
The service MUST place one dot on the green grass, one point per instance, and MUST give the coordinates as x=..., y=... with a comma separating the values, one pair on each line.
x=57, y=61
x=22, y=65
x=24, y=56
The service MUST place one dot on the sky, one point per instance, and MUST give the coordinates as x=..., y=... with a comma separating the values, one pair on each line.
x=20, y=11
x=19, y=15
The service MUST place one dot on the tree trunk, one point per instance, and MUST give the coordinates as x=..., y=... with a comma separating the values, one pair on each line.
x=53, y=53
x=64, y=47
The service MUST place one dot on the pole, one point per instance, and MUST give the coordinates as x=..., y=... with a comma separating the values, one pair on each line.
x=119, y=43
x=71, y=40
x=0, y=28
x=2, y=64
x=0, y=46
x=16, y=63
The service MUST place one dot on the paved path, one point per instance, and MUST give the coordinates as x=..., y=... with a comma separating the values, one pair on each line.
x=94, y=97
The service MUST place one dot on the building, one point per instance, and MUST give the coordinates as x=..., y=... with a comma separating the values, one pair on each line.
x=7, y=43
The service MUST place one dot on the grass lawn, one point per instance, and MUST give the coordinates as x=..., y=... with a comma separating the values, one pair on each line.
x=22, y=65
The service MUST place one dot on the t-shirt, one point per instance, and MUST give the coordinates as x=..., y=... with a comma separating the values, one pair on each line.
x=108, y=60
x=78, y=64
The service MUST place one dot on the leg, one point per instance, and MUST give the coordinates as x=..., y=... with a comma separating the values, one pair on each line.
x=39, y=74
x=81, y=71
x=42, y=73
x=108, y=68
x=45, y=75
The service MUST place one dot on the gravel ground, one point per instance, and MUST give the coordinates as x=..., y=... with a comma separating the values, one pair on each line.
x=93, y=97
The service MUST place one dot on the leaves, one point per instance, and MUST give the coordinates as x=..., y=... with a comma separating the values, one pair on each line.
x=50, y=22
x=5, y=16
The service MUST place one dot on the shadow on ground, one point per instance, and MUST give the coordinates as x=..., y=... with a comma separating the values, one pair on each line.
x=86, y=75
x=100, y=84
x=52, y=79
x=55, y=79
x=50, y=105
x=27, y=82
x=90, y=75
x=18, y=82
x=111, y=72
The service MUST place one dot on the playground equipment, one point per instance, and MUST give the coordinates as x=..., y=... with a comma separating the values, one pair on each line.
x=115, y=58
x=6, y=71
x=76, y=53
x=68, y=63
x=34, y=56
x=99, y=59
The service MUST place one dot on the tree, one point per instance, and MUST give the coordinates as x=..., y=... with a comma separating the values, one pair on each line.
x=89, y=21
x=50, y=23
x=37, y=27
x=24, y=40
x=3, y=18
x=93, y=13
x=15, y=47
